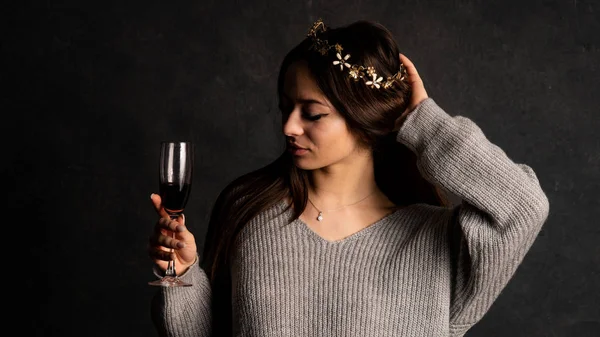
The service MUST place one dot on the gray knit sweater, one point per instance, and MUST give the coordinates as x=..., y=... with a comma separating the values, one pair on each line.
x=421, y=271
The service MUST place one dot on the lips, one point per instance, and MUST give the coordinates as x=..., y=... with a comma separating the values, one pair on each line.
x=297, y=150
x=296, y=147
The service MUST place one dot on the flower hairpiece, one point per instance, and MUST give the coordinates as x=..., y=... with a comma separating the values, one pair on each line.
x=357, y=72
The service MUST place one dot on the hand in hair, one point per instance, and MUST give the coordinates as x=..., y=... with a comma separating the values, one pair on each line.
x=418, y=90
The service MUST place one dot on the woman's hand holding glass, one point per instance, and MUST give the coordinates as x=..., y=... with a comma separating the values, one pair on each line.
x=183, y=243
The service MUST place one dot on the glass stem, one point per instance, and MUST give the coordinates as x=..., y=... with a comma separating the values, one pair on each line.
x=171, y=266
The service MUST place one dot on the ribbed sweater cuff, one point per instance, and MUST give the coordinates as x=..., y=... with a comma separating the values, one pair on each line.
x=421, y=125
x=191, y=274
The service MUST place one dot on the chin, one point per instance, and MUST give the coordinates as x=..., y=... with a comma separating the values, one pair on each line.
x=303, y=164
x=310, y=162
x=309, y=165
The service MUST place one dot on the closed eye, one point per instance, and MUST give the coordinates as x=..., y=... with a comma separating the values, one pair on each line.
x=311, y=117
x=314, y=117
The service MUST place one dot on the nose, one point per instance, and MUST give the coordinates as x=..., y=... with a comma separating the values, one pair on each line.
x=292, y=126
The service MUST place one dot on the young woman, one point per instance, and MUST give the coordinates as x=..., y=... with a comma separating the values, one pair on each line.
x=349, y=233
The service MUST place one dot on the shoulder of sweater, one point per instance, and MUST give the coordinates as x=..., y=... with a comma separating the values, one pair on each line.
x=428, y=212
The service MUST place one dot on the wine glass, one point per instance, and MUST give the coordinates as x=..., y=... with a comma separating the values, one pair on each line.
x=175, y=179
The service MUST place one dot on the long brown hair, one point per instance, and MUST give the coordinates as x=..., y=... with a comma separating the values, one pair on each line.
x=370, y=116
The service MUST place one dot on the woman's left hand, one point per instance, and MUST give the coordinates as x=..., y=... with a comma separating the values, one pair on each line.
x=418, y=90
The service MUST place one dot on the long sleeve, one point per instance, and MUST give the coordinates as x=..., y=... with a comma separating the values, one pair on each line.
x=502, y=211
x=184, y=311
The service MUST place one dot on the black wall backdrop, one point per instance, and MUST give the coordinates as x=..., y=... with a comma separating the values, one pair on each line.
x=91, y=88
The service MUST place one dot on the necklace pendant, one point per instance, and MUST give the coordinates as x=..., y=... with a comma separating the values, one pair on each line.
x=320, y=216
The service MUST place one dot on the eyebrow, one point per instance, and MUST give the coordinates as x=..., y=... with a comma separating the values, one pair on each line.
x=306, y=100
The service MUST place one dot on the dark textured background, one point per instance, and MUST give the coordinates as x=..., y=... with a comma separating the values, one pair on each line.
x=91, y=88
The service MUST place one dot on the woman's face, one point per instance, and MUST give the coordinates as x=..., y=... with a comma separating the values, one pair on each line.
x=311, y=122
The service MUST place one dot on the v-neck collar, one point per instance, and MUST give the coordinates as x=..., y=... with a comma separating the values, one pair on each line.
x=352, y=237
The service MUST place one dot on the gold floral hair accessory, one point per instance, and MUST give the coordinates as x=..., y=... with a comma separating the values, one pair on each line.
x=355, y=71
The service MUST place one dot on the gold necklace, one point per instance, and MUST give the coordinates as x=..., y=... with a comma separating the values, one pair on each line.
x=320, y=216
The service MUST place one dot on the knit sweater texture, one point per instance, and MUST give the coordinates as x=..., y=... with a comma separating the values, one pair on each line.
x=422, y=270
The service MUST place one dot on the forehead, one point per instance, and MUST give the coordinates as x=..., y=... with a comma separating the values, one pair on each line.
x=300, y=83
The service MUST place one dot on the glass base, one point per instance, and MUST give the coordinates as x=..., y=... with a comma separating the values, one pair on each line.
x=170, y=281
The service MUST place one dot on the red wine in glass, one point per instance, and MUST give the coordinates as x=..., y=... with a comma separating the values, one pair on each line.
x=174, y=196
x=175, y=182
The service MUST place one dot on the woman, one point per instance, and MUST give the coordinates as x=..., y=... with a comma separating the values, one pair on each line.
x=349, y=231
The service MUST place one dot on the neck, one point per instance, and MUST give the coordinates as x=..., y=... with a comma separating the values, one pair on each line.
x=343, y=183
